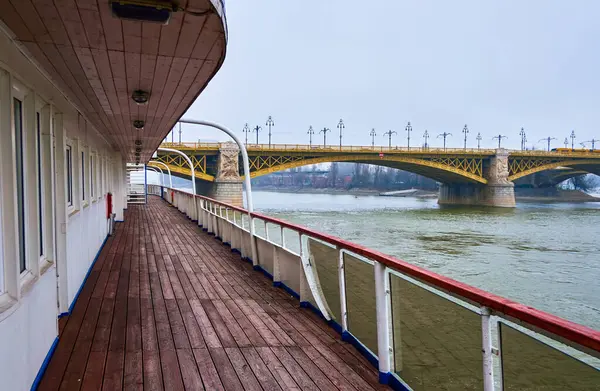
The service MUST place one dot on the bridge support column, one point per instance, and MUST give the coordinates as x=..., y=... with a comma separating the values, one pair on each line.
x=498, y=192
x=227, y=186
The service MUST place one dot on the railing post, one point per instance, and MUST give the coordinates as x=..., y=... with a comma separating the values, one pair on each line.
x=342, y=284
x=383, y=308
x=486, y=332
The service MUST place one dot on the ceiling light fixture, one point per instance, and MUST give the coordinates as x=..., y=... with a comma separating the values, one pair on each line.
x=140, y=97
x=157, y=11
x=138, y=142
x=138, y=124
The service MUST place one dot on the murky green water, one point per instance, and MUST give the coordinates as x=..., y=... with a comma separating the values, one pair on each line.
x=543, y=255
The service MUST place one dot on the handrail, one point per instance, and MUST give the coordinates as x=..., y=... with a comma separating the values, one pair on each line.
x=574, y=332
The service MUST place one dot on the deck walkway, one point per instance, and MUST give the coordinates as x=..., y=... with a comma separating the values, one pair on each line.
x=169, y=307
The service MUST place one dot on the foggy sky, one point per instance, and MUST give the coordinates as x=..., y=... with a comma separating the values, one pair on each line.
x=496, y=66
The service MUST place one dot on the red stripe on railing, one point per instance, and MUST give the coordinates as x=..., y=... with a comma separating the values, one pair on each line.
x=568, y=330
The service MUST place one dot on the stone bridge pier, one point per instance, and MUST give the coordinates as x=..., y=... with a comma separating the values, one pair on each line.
x=227, y=186
x=498, y=192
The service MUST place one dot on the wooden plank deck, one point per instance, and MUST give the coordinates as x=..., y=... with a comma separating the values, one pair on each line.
x=169, y=307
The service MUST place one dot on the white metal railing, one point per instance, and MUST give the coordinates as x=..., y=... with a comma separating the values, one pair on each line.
x=421, y=329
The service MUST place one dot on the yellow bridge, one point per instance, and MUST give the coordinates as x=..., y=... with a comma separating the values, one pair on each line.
x=451, y=167
x=444, y=165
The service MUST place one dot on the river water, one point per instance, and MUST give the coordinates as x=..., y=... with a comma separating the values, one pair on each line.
x=543, y=255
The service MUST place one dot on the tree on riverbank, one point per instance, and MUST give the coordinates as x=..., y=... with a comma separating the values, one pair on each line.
x=584, y=182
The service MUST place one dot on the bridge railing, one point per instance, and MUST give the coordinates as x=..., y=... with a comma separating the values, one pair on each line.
x=329, y=148
x=422, y=330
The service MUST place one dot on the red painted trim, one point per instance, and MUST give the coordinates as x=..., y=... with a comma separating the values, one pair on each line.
x=568, y=330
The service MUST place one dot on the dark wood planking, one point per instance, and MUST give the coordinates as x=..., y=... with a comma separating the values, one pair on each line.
x=140, y=323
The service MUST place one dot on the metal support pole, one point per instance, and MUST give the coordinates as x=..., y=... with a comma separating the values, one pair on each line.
x=486, y=332
x=156, y=169
x=342, y=284
x=248, y=185
x=168, y=170
x=383, y=307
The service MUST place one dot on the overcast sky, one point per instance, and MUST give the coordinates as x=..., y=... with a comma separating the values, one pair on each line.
x=494, y=65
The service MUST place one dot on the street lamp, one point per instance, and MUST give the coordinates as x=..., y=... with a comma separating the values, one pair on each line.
x=478, y=138
x=465, y=131
x=566, y=142
x=372, y=134
x=426, y=137
x=324, y=131
x=270, y=123
x=310, y=133
x=572, y=140
x=408, y=130
x=389, y=134
x=593, y=141
x=523, y=138
x=444, y=135
x=548, y=139
x=341, y=126
x=246, y=130
x=257, y=129
x=180, y=133
x=499, y=137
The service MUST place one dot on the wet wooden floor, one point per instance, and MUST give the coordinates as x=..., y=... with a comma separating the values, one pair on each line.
x=169, y=307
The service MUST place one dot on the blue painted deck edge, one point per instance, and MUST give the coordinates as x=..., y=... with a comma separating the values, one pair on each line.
x=42, y=370
x=346, y=336
x=86, y=277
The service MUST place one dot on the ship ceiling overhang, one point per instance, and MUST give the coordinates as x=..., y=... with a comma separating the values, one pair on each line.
x=98, y=60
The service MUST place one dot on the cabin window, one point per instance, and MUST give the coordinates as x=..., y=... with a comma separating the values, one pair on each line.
x=18, y=123
x=69, y=162
x=82, y=176
x=92, y=176
x=40, y=183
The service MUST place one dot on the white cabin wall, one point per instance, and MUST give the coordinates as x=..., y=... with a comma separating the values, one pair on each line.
x=31, y=301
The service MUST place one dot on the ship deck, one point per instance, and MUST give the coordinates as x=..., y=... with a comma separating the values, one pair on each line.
x=167, y=306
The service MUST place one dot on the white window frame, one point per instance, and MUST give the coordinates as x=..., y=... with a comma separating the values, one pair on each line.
x=92, y=170
x=69, y=177
x=84, y=189
x=20, y=92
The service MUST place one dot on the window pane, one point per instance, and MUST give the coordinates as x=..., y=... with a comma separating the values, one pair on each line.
x=18, y=114
x=437, y=343
x=40, y=192
x=82, y=176
x=326, y=260
x=360, y=301
x=69, y=175
x=529, y=364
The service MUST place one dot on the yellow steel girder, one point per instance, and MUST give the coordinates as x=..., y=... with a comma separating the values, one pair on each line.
x=177, y=164
x=469, y=170
x=523, y=168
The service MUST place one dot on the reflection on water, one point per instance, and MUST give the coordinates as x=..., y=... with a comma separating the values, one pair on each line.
x=543, y=255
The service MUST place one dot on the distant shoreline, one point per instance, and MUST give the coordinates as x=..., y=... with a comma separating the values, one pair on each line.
x=569, y=196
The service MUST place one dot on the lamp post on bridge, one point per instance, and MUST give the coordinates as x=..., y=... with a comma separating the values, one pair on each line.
x=341, y=127
x=408, y=130
x=566, y=142
x=426, y=137
x=324, y=131
x=523, y=138
x=257, y=129
x=593, y=141
x=478, y=138
x=373, y=134
x=548, y=139
x=499, y=137
x=246, y=130
x=572, y=140
x=310, y=133
x=444, y=135
x=465, y=132
x=180, y=133
x=389, y=134
x=269, y=123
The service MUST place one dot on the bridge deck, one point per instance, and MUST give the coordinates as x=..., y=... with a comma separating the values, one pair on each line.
x=168, y=307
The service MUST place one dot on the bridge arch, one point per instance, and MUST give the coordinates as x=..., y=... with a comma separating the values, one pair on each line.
x=438, y=171
x=552, y=165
